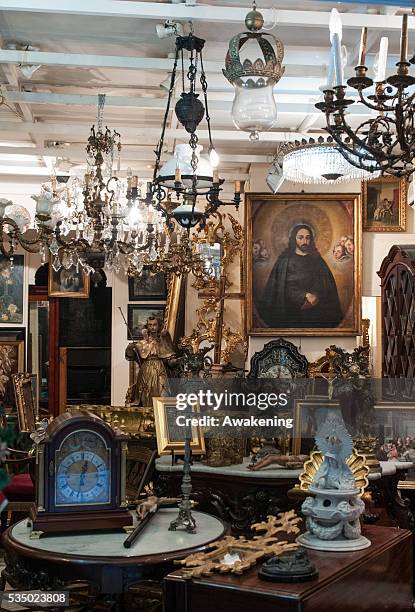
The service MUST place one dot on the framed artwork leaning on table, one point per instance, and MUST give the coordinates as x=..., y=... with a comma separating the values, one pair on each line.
x=171, y=435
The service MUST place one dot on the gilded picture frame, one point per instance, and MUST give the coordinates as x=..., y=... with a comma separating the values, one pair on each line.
x=12, y=361
x=384, y=204
x=68, y=283
x=25, y=390
x=331, y=223
x=170, y=436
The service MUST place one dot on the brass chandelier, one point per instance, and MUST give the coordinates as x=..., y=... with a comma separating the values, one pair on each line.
x=186, y=189
x=386, y=141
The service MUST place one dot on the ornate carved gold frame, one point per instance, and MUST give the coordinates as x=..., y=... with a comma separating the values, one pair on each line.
x=27, y=407
x=210, y=326
x=403, y=186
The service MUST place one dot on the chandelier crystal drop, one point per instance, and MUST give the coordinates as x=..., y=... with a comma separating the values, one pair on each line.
x=316, y=162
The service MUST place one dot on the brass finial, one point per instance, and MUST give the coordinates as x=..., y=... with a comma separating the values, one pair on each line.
x=254, y=20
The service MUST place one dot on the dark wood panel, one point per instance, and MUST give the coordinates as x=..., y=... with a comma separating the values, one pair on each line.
x=375, y=579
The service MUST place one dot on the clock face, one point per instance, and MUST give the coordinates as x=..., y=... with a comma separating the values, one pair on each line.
x=82, y=468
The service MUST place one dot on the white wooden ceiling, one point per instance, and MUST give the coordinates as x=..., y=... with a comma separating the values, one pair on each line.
x=87, y=47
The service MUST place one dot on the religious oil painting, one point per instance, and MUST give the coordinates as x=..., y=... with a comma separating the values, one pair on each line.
x=303, y=264
x=148, y=286
x=12, y=354
x=138, y=315
x=11, y=289
x=384, y=204
x=68, y=282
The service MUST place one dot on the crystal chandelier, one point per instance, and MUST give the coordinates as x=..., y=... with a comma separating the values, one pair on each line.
x=318, y=161
x=186, y=189
x=98, y=222
x=385, y=141
x=254, y=109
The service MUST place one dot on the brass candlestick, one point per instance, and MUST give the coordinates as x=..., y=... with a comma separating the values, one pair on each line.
x=185, y=519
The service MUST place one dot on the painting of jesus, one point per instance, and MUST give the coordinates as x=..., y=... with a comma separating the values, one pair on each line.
x=303, y=263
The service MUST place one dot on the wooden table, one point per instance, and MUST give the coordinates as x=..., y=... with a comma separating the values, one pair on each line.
x=99, y=560
x=377, y=579
x=242, y=497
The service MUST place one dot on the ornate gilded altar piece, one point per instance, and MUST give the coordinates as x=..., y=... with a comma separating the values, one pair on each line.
x=236, y=555
x=219, y=248
x=334, y=506
x=348, y=375
x=136, y=422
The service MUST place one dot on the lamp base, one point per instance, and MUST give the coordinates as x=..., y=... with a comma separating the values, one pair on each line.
x=292, y=566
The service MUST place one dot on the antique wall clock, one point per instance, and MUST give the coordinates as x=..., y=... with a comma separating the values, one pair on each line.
x=80, y=477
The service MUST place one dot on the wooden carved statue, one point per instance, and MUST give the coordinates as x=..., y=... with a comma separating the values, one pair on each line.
x=156, y=356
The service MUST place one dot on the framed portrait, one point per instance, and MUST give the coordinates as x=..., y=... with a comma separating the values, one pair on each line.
x=303, y=264
x=13, y=333
x=11, y=289
x=170, y=435
x=26, y=394
x=148, y=286
x=309, y=414
x=12, y=361
x=71, y=283
x=384, y=204
x=138, y=315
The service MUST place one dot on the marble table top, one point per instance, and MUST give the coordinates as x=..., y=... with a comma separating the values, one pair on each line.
x=154, y=540
x=163, y=464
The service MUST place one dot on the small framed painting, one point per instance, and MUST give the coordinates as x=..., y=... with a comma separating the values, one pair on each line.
x=384, y=204
x=26, y=393
x=170, y=434
x=71, y=283
x=11, y=289
x=148, y=286
x=138, y=314
x=309, y=414
x=12, y=361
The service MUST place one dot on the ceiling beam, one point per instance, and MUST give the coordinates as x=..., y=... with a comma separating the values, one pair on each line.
x=294, y=66
x=284, y=105
x=58, y=129
x=128, y=153
x=199, y=13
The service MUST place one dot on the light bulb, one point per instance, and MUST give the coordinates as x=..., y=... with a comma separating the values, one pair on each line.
x=134, y=216
x=335, y=24
x=382, y=60
x=254, y=109
x=214, y=157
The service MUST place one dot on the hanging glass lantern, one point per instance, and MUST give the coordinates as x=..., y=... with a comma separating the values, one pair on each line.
x=254, y=109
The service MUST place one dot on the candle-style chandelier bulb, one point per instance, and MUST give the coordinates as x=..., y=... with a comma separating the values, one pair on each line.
x=386, y=141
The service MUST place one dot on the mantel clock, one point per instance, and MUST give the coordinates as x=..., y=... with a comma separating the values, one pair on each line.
x=80, y=477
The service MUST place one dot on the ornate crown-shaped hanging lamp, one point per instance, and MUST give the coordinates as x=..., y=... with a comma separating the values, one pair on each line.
x=254, y=109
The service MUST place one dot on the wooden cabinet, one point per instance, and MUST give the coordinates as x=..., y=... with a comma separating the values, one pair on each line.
x=397, y=275
x=374, y=579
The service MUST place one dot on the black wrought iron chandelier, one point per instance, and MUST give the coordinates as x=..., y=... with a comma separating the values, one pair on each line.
x=386, y=141
x=186, y=189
